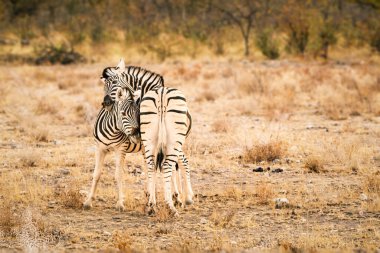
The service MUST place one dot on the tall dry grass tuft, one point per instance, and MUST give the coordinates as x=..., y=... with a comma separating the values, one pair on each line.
x=222, y=219
x=264, y=152
x=71, y=197
x=8, y=219
x=314, y=164
x=163, y=214
x=122, y=241
x=28, y=158
x=371, y=187
x=221, y=126
x=206, y=95
x=264, y=193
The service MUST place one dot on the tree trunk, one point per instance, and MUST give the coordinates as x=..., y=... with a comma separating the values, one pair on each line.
x=246, y=45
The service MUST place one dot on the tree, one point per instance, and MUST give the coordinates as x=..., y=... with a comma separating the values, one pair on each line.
x=241, y=13
x=295, y=15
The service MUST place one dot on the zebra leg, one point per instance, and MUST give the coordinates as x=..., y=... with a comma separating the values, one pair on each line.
x=99, y=159
x=188, y=189
x=167, y=168
x=179, y=180
x=151, y=188
x=119, y=179
x=175, y=196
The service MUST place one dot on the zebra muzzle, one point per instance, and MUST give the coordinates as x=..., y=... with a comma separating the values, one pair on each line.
x=107, y=102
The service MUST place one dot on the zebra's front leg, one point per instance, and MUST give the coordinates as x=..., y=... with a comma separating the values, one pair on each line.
x=168, y=171
x=99, y=160
x=119, y=179
x=188, y=189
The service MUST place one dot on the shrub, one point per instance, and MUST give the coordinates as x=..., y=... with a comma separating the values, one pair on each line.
x=313, y=164
x=267, y=45
x=264, y=152
x=61, y=54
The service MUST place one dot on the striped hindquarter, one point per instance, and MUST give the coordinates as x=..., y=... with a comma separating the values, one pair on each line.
x=165, y=122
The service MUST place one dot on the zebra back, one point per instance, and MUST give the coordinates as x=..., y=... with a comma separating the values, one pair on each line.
x=134, y=78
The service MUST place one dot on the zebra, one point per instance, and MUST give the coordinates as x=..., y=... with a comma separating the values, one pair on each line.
x=165, y=123
x=138, y=81
x=107, y=132
x=108, y=137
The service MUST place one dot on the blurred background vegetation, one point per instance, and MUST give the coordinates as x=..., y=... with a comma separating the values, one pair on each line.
x=67, y=31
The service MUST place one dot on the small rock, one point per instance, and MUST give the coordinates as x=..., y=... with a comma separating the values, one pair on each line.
x=258, y=169
x=203, y=221
x=363, y=197
x=106, y=233
x=51, y=204
x=278, y=170
x=233, y=243
x=64, y=171
x=281, y=203
x=276, y=160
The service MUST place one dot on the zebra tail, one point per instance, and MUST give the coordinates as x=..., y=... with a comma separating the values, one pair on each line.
x=161, y=143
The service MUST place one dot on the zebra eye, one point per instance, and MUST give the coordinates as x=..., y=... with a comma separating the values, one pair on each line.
x=114, y=82
x=123, y=113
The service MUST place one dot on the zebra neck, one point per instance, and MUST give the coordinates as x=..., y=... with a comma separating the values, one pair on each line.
x=106, y=129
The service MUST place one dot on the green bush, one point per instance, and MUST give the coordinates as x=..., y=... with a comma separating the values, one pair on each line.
x=267, y=44
x=53, y=54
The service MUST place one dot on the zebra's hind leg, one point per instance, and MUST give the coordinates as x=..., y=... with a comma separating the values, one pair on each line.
x=119, y=179
x=99, y=159
x=188, y=189
x=176, y=193
x=167, y=168
x=151, y=188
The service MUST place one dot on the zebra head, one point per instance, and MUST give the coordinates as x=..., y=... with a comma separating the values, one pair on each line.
x=128, y=115
x=113, y=79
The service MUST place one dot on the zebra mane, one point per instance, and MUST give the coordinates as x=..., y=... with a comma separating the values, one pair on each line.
x=133, y=70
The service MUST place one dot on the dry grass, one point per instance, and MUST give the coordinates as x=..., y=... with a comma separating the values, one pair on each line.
x=221, y=126
x=274, y=100
x=206, y=95
x=264, y=193
x=122, y=241
x=222, y=219
x=264, y=152
x=371, y=187
x=8, y=219
x=28, y=158
x=314, y=164
x=163, y=214
x=71, y=197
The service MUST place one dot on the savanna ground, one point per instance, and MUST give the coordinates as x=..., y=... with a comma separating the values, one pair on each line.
x=317, y=122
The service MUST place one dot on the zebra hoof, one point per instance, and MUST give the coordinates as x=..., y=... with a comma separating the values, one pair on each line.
x=189, y=202
x=87, y=205
x=120, y=207
x=150, y=209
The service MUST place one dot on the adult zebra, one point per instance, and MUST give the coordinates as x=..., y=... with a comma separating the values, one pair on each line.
x=107, y=132
x=133, y=78
x=165, y=124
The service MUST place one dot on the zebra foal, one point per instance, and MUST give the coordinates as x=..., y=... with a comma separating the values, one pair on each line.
x=165, y=123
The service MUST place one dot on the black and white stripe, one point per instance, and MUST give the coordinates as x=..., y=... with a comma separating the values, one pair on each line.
x=165, y=123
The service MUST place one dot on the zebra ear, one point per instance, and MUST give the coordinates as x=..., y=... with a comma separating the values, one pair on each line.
x=121, y=66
